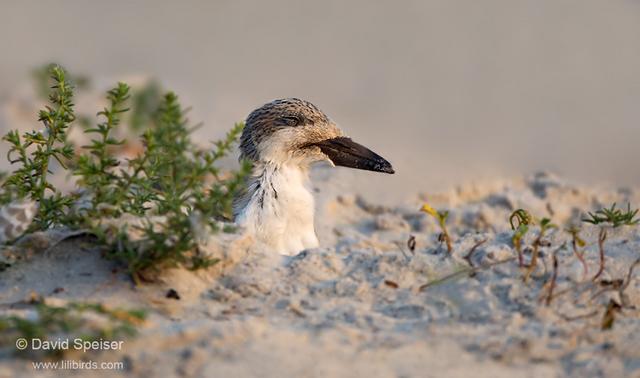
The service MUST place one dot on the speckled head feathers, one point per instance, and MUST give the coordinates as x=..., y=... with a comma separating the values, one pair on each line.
x=294, y=131
x=287, y=125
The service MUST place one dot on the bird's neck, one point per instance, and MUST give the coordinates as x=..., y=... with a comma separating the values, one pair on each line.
x=278, y=208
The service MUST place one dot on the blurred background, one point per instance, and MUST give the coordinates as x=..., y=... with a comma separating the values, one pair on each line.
x=448, y=90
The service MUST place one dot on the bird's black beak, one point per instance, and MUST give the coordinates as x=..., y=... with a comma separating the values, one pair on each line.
x=346, y=153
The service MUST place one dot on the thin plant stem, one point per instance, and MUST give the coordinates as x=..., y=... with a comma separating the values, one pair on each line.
x=602, y=237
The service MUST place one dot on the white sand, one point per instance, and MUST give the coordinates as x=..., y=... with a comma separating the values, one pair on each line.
x=336, y=311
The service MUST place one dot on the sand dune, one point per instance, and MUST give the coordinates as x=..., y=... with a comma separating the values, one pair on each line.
x=359, y=306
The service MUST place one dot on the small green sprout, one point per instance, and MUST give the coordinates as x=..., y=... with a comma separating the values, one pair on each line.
x=545, y=225
x=524, y=219
x=441, y=217
x=576, y=243
x=613, y=218
x=522, y=216
x=552, y=281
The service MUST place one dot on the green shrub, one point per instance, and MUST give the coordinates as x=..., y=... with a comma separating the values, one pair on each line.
x=173, y=188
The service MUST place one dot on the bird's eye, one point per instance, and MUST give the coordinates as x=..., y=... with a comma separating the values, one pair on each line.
x=292, y=120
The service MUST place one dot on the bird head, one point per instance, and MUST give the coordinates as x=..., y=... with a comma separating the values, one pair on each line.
x=296, y=131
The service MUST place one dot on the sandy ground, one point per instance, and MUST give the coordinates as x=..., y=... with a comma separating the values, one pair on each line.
x=448, y=92
x=358, y=306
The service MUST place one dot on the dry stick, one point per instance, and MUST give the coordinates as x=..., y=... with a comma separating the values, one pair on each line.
x=473, y=249
x=464, y=271
x=534, y=257
x=609, y=316
x=518, y=245
x=578, y=317
x=411, y=244
x=444, y=236
x=399, y=245
x=580, y=256
x=447, y=238
x=601, y=239
x=571, y=288
x=619, y=284
x=551, y=283
x=630, y=273
x=554, y=277
x=623, y=287
x=615, y=285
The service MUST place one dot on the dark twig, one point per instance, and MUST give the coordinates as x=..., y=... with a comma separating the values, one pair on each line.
x=627, y=281
x=554, y=277
x=579, y=285
x=578, y=317
x=399, y=245
x=411, y=244
x=463, y=272
x=602, y=236
x=607, y=286
x=619, y=285
x=580, y=257
x=545, y=224
x=576, y=241
x=472, y=250
x=623, y=297
x=517, y=243
x=609, y=316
